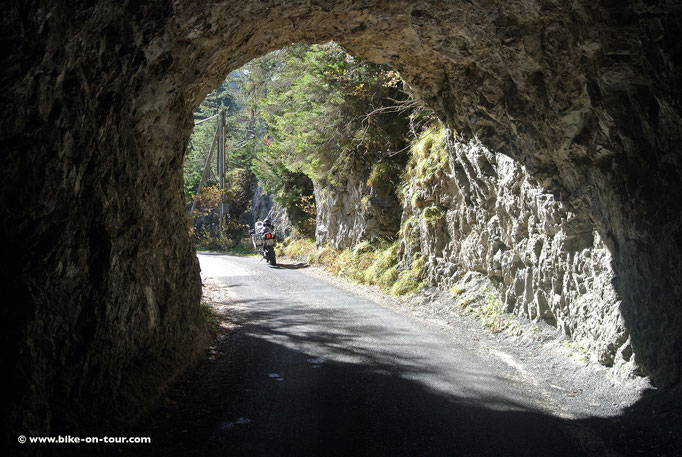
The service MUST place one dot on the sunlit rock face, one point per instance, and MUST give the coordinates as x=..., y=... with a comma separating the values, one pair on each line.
x=97, y=104
x=484, y=214
x=352, y=211
x=264, y=207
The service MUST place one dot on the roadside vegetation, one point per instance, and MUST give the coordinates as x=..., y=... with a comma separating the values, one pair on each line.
x=429, y=157
x=379, y=264
x=367, y=263
x=301, y=115
x=303, y=118
x=485, y=306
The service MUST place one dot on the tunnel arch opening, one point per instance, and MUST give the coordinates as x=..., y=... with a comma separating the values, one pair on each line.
x=306, y=121
x=556, y=103
x=589, y=107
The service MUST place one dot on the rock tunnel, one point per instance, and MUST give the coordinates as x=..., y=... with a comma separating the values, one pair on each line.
x=98, y=99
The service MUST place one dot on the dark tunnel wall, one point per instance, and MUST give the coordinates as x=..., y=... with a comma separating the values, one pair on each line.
x=97, y=104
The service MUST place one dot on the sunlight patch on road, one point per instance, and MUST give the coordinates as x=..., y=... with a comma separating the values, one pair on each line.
x=217, y=267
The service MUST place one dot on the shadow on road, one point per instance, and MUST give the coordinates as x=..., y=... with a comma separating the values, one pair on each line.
x=290, y=266
x=296, y=382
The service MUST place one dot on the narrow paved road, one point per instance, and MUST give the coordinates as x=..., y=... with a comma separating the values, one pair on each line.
x=317, y=370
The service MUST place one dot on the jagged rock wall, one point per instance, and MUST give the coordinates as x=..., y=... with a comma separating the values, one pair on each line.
x=353, y=211
x=493, y=218
x=100, y=280
x=263, y=206
x=97, y=110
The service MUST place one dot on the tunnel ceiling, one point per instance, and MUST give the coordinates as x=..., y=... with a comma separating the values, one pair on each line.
x=98, y=110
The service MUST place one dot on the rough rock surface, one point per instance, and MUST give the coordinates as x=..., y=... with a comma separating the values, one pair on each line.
x=353, y=211
x=547, y=262
x=97, y=110
x=263, y=206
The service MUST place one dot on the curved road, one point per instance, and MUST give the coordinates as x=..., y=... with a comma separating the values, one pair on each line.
x=317, y=370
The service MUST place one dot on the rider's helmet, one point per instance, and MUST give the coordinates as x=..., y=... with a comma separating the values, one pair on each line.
x=267, y=223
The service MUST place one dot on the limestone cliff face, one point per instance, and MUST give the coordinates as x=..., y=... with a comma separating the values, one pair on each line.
x=483, y=213
x=261, y=204
x=97, y=110
x=354, y=211
x=263, y=207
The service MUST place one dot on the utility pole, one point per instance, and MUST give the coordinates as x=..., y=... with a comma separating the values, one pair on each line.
x=221, y=166
x=203, y=175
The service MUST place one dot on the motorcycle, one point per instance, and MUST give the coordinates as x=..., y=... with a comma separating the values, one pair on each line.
x=264, y=241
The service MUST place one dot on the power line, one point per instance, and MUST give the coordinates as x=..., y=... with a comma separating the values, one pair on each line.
x=208, y=118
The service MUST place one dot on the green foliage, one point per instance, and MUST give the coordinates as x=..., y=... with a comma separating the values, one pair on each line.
x=429, y=156
x=293, y=247
x=407, y=226
x=325, y=114
x=208, y=239
x=293, y=190
x=365, y=201
x=384, y=176
x=578, y=351
x=207, y=200
x=428, y=160
x=490, y=312
x=455, y=291
x=409, y=233
x=384, y=270
x=410, y=281
x=433, y=215
x=302, y=114
x=242, y=125
x=237, y=194
x=195, y=158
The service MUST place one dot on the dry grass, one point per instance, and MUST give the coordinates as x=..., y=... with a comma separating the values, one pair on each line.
x=367, y=263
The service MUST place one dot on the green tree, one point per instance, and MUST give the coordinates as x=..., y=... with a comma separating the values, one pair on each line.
x=302, y=114
x=325, y=108
x=325, y=112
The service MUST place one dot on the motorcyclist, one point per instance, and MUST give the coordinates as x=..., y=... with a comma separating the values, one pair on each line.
x=264, y=226
x=264, y=239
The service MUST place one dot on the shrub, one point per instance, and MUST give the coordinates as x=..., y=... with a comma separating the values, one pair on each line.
x=455, y=291
x=366, y=263
x=388, y=277
x=429, y=155
x=297, y=247
x=323, y=256
x=433, y=215
x=490, y=313
x=410, y=281
x=383, y=270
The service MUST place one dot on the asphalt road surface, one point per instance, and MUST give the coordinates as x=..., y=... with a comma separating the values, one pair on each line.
x=318, y=370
